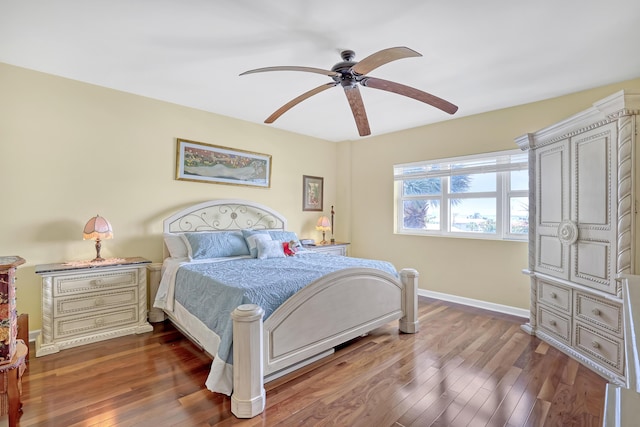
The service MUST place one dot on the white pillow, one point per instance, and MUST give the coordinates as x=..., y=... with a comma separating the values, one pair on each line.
x=175, y=245
x=270, y=249
x=253, y=240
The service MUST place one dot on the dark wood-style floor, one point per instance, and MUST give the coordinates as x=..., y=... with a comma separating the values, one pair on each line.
x=465, y=367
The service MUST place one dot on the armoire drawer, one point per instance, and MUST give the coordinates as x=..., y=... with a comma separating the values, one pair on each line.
x=93, y=301
x=602, y=348
x=70, y=326
x=599, y=312
x=555, y=324
x=555, y=296
x=90, y=282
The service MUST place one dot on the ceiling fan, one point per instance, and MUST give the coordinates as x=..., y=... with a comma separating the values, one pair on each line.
x=349, y=74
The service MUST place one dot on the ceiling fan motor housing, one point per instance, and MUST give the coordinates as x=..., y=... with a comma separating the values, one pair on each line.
x=346, y=77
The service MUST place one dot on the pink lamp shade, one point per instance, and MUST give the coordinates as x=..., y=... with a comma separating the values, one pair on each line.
x=323, y=225
x=97, y=228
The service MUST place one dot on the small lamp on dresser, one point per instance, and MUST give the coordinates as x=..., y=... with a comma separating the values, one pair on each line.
x=323, y=225
x=97, y=228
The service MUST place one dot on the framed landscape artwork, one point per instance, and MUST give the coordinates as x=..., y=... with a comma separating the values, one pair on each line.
x=197, y=161
x=312, y=189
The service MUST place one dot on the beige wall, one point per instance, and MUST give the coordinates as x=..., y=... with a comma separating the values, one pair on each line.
x=70, y=150
x=478, y=269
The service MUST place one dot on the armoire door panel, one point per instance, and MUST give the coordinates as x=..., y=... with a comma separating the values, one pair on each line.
x=552, y=189
x=592, y=168
x=552, y=204
x=552, y=257
x=594, y=207
x=593, y=260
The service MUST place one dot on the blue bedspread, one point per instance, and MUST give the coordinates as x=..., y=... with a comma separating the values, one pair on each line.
x=211, y=291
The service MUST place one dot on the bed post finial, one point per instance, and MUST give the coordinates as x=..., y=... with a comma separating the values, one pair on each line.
x=248, y=399
x=409, y=322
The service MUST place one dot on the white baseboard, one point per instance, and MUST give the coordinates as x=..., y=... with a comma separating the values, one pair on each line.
x=506, y=309
x=33, y=335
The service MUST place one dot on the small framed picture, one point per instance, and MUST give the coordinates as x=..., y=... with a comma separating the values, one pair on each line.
x=312, y=191
x=197, y=161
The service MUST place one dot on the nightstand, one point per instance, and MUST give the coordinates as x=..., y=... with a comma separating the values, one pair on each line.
x=337, y=248
x=84, y=302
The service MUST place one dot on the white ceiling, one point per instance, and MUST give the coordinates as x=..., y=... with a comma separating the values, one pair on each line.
x=480, y=55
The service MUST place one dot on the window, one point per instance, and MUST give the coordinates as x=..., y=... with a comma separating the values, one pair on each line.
x=484, y=196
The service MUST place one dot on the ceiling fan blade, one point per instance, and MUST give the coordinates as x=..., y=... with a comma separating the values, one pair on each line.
x=293, y=68
x=357, y=108
x=411, y=92
x=382, y=57
x=286, y=107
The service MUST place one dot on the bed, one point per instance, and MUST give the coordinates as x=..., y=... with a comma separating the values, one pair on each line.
x=296, y=318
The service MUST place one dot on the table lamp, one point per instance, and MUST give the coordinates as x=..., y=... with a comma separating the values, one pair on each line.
x=323, y=225
x=97, y=228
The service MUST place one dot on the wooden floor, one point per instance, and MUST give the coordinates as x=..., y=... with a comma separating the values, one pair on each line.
x=465, y=367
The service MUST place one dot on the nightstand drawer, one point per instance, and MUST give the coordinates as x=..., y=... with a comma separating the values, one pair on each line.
x=87, y=325
x=95, y=301
x=602, y=313
x=90, y=282
x=555, y=324
x=556, y=296
x=603, y=349
x=338, y=248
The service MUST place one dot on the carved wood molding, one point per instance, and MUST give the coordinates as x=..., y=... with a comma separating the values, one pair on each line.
x=592, y=126
x=532, y=211
x=626, y=130
x=47, y=310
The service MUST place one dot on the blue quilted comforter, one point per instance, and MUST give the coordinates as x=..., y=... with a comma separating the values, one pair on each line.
x=211, y=291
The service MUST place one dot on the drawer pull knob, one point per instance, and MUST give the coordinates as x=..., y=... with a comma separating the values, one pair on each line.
x=553, y=295
x=99, y=322
x=595, y=344
x=96, y=282
x=552, y=322
x=99, y=301
x=596, y=312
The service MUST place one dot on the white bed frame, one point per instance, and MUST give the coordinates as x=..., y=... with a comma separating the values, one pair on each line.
x=328, y=312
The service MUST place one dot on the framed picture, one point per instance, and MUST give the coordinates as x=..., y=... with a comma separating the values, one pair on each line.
x=312, y=190
x=197, y=161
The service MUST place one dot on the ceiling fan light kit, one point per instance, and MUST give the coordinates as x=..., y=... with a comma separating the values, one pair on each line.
x=349, y=74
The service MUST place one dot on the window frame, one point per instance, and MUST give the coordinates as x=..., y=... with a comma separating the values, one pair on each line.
x=502, y=163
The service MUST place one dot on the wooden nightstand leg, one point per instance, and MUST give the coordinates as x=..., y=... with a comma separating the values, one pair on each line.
x=15, y=405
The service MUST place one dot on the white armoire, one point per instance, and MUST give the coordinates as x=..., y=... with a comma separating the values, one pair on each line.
x=582, y=237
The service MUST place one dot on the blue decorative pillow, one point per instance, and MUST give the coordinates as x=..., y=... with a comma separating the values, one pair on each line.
x=251, y=238
x=270, y=249
x=283, y=236
x=215, y=245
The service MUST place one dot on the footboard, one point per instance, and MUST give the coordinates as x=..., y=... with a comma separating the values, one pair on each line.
x=328, y=312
